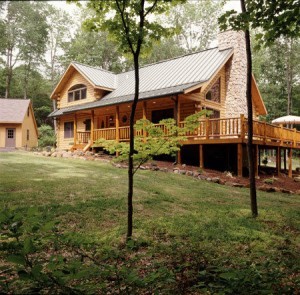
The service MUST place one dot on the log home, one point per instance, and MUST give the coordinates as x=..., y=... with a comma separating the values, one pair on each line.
x=92, y=103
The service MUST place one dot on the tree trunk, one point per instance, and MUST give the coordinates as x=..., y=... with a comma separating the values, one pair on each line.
x=131, y=148
x=8, y=73
x=253, y=198
x=289, y=75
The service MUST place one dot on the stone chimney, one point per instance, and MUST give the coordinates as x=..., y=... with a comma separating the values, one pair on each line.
x=236, y=73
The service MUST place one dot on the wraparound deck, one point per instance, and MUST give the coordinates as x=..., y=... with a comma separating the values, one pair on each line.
x=209, y=131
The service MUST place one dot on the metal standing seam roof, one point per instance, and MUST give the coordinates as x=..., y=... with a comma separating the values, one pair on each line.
x=13, y=110
x=157, y=80
x=97, y=76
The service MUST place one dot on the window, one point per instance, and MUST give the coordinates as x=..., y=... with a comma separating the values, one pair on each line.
x=69, y=129
x=77, y=92
x=214, y=94
x=10, y=133
x=27, y=134
x=28, y=112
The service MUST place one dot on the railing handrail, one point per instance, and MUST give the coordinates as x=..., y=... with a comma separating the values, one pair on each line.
x=235, y=127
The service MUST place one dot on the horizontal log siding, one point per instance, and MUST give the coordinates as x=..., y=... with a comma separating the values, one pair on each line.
x=186, y=109
x=64, y=143
x=76, y=78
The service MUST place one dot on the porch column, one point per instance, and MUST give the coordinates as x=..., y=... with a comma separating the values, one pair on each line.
x=177, y=119
x=201, y=156
x=240, y=159
x=144, y=110
x=92, y=126
x=144, y=117
x=117, y=124
x=290, y=162
x=278, y=160
x=75, y=129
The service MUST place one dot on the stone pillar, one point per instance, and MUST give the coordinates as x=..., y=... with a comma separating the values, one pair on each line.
x=236, y=73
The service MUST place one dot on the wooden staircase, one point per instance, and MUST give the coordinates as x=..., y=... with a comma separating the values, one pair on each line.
x=81, y=146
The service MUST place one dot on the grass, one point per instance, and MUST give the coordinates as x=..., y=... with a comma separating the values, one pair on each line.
x=190, y=236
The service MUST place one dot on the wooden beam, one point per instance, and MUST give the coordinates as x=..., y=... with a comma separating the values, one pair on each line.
x=145, y=110
x=75, y=128
x=278, y=160
x=92, y=126
x=117, y=124
x=240, y=159
x=290, y=163
x=201, y=156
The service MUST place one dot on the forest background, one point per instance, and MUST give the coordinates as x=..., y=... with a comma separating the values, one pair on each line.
x=38, y=40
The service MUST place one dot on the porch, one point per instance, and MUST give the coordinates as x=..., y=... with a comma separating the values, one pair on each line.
x=218, y=131
x=209, y=131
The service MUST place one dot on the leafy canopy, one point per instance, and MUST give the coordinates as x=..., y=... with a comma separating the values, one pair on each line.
x=275, y=18
x=129, y=22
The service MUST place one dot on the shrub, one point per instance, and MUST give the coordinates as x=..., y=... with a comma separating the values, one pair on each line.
x=46, y=136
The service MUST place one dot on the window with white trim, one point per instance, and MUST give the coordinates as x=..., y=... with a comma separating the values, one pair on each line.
x=77, y=92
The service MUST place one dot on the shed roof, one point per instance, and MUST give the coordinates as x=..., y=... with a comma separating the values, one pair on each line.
x=160, y=79
x=13, y=110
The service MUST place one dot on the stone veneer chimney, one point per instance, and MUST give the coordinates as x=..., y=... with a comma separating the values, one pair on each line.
x=236, y=73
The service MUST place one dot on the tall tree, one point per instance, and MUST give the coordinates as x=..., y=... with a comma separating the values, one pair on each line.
x=132, y=25
x=59, y=29
x=275, y=18
x=197, y=22
x=23, y=39
x=276, y=69
x=95, y=49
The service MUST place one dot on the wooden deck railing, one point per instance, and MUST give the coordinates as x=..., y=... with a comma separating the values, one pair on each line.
x=83, y=136
x=213, y=129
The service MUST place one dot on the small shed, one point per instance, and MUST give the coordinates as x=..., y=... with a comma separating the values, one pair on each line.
x=18, y=127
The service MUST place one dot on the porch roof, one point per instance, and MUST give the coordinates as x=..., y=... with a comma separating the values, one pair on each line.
x=123, y=99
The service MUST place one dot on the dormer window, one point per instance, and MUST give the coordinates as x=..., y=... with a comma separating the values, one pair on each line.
x=77, y=92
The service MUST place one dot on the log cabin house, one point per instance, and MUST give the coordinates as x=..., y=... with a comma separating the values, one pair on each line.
x=92, y=103
x=18, y=127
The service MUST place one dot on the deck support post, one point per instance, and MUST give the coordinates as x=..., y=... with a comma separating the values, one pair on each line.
x=240, y=159
x=256, y=160
x=278, y=160
x=284, y=159
x=92, y=126
x=201, y=156
x=75, y=129
x=290, y=162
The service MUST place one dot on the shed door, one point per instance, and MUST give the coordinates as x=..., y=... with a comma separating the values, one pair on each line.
x=10, y=137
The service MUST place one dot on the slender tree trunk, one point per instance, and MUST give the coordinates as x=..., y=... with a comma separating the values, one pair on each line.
x=289, y=75
x=8, y=72
x=253, y=198
x=131, y=148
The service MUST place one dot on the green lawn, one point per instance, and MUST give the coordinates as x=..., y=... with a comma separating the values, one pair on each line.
x=63, y=225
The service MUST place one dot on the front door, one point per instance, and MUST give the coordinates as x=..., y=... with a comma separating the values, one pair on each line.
x=10, y=137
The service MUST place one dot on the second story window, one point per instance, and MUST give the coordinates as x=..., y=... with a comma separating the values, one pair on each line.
x=77, y=92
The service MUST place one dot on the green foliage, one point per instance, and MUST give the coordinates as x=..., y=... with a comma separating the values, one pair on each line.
x=122, y=20
x=154, y=139
x=185, y=242
x=46, y=136
x=276, y=69
x=275, y=18
x=196, y=22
